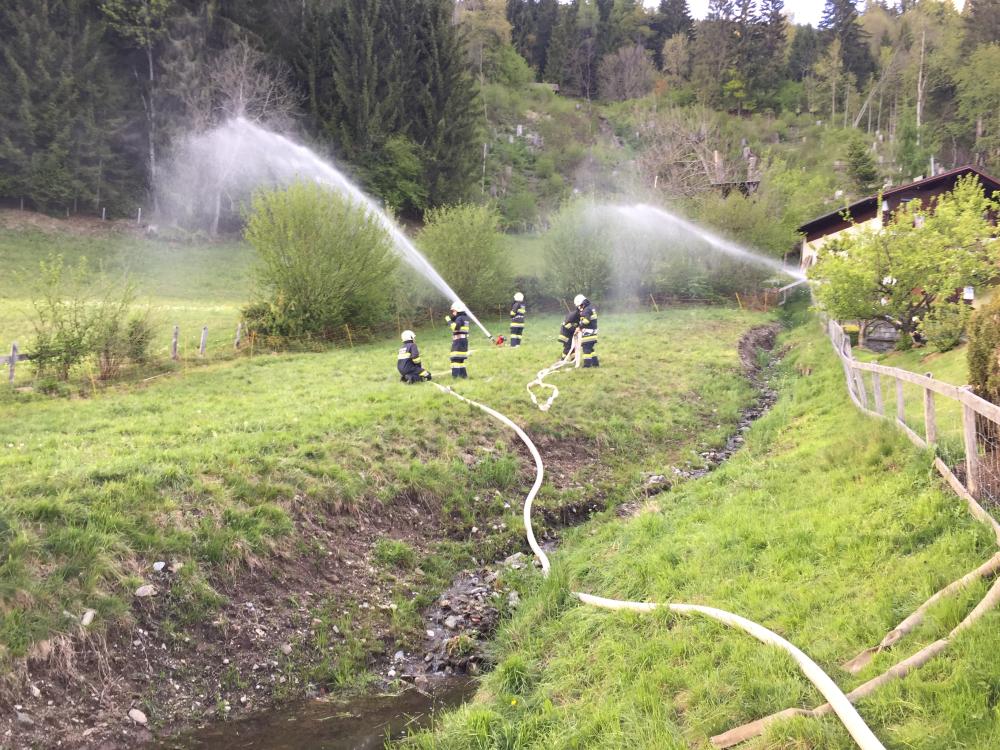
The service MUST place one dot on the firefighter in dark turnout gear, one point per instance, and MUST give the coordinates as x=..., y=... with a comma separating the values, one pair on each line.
x=517, y=311
x=588, y=330
x=459, y=323
x=570, y=323
x=408, y=361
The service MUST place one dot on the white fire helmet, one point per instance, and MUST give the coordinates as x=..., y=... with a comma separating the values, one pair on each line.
x=518, y=297
x=457, y=305
x=579, y=300
x=408, y=336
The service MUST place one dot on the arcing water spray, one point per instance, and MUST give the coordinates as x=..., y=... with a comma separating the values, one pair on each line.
x=242, y=156
x=651, y=215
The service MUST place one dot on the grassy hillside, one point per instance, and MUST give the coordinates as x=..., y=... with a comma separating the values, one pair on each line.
x=291, y=472
x=827, y=528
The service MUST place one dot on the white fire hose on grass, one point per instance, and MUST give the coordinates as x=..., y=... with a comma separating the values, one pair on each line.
x=848, y=715
x=573, y=357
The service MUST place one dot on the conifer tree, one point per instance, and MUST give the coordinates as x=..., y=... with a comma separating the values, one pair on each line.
x=982, y=22
x=61, y=109
x=840, y=21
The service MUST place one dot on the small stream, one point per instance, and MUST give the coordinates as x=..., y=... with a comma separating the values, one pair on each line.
x=362, y=723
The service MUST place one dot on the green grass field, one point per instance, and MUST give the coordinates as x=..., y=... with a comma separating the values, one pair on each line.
x=949, y=367
x=190, y=285
x=206, y=466
x=828, y=528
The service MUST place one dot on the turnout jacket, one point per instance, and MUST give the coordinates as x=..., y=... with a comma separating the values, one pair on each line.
x=588, y=320
x=569, y=326
x=408, y=360
x=517, y=312
x=459, y=326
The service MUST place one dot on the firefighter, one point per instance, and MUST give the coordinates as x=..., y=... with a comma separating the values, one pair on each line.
x=408, y=362
x=517, y=311
x=570, y=323
x=459, y=323
x=588, y=330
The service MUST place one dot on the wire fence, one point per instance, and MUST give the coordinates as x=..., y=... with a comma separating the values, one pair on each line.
x=962, y=429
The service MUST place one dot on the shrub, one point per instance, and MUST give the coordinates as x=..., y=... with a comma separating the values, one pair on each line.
x=324, y=262
x=83, y=318
x=944, y=325
x=577, y=252
x=62, y=324
x=984, y=351
x=465, y=245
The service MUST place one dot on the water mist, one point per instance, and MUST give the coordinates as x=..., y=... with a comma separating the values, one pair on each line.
x=652, y=216
x=238, y=156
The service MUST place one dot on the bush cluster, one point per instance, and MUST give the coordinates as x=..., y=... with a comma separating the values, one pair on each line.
x=82, y=320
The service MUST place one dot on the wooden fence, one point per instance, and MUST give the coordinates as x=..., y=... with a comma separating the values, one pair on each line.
x=962, y=429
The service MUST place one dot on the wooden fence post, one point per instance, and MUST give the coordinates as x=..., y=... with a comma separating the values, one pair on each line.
x=862, y=389
x=13, y=362
x=431, y=311
x=204, y=341
x=930, y=420
x=653, y=299
x=877, y=390
x=173, y=344
x=239, y=335
x=971, y=446
x=350, y=339
x=900, y=402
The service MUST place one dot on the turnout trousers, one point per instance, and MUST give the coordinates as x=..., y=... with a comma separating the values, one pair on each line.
x=459, y=353
x=589, y=342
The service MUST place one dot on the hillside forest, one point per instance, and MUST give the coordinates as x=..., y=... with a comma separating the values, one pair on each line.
x=518, y=103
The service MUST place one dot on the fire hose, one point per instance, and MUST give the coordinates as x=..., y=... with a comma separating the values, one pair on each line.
x=851, y=719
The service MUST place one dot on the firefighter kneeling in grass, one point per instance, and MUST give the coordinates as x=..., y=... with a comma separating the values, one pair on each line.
x=588, y=330
x=459, y=323
x=517, y=312
x=408, y=362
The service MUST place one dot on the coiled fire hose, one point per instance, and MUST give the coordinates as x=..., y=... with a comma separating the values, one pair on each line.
x=855, y=725
x=572, y=357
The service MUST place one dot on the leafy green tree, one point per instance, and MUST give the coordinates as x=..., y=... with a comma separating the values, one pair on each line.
x=898, y=274
x=323, y=262
x=578, y=251
x=464, y=242
x=983, y=354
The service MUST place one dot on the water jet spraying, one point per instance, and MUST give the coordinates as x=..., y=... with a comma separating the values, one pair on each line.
x=645, y=213
x=244, y=156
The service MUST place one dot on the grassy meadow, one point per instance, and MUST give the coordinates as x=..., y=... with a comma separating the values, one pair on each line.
x=828, y=528
x=211, y=466
x=186, y=284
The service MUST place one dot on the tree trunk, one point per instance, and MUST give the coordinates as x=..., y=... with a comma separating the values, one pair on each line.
x=151, y=116
x=920, y=85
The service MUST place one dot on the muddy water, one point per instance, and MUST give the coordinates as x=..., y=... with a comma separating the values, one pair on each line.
x=363, y=723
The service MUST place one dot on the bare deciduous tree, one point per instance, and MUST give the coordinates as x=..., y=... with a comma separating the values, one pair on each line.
x=245, y=83
x=627, y=74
